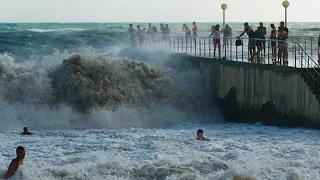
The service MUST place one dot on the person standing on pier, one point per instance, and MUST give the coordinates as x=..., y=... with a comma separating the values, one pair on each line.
x=186, y=29
x=194, y=31
x=227, y=34
x=251, y=43
x=132, y=34
x=216, y=40
x=273, y=37
x=283, y=49
x=166, y=33
x=286, y=30
x=140, y=35
x=162, y=29
x=264, y=29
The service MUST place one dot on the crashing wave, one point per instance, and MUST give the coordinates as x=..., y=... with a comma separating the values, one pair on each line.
x=86, y=84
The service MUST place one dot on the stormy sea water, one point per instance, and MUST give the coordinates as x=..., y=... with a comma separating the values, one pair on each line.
x=100, y=109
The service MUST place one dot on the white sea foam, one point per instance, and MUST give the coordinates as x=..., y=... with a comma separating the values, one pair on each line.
x=55, y=30
x=168, y=153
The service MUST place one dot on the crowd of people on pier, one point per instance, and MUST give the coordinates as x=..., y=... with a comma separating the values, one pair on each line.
x=256, y=38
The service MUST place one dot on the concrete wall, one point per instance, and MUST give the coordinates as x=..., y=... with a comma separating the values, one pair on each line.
x=254, y=86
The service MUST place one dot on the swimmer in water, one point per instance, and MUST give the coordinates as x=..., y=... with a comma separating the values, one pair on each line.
x=200, y=136
x=26, y=131
x=15, y=163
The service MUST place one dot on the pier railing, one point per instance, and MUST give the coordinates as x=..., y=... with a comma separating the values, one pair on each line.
x=295, y=54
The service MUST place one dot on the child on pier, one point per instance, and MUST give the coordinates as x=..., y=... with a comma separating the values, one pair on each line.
x=216, y=40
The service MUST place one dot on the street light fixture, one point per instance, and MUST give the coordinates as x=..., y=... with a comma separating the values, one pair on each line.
x=224, y=7
x=285, y=4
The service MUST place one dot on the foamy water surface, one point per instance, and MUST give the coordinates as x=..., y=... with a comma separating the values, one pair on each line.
x=167, y=153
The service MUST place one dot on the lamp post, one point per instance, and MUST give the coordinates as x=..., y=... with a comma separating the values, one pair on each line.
x=285, y=4
x=224, y=7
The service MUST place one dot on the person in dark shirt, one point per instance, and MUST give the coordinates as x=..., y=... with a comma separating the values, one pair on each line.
x=264, y=29
x=259, y=36
x=283, y=27
x=251, y=44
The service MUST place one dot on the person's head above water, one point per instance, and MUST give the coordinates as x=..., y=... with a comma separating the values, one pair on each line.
x=26, y=131
x=200, y=136
x=21, y=152
x=200, y=132
x=15, y=163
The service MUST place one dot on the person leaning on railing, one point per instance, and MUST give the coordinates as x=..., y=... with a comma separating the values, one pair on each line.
x=251, y=43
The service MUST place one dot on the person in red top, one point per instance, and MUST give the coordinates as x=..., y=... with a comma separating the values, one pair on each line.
x=200, y=136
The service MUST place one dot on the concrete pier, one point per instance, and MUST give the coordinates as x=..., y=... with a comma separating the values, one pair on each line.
x=250, y=93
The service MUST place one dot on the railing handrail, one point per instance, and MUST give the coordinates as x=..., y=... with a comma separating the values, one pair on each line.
x=307, y=54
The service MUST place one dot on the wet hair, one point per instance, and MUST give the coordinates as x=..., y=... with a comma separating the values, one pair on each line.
x=193, y=22
x=261, y=23
x=130, y=24
x=246, y=23
x=200, y=131
x=167, y=25
x=19, y=148
x=138, y=26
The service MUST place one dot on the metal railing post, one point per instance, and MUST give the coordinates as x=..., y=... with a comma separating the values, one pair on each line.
x=178, y=43
x=204, y=47
x=200, y=47
x=311, y=46
x=268, y=51
x=195, y=48
x=242, y=51
x=182, y=44
x=295, y=55
x=236, y=53
x=209, y=48
x=191, y=45
x=186, y=45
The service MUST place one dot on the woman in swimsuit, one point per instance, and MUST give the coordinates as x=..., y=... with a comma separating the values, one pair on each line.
x=186, y=29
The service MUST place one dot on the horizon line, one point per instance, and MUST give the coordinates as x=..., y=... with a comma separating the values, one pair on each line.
x=128, y=22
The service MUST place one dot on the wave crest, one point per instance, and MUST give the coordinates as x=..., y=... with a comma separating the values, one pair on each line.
x=88, y=84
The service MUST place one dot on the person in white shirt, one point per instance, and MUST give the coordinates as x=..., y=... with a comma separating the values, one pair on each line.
x=216, y=40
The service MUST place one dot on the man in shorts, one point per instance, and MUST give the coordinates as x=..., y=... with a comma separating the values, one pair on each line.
x=251, y=43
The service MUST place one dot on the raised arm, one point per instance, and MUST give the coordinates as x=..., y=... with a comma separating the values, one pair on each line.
x=242, y=34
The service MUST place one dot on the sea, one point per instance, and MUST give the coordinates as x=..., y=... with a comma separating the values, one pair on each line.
x=101, y=109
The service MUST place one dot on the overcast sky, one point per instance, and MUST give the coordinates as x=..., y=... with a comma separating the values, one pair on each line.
x=156, y=10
